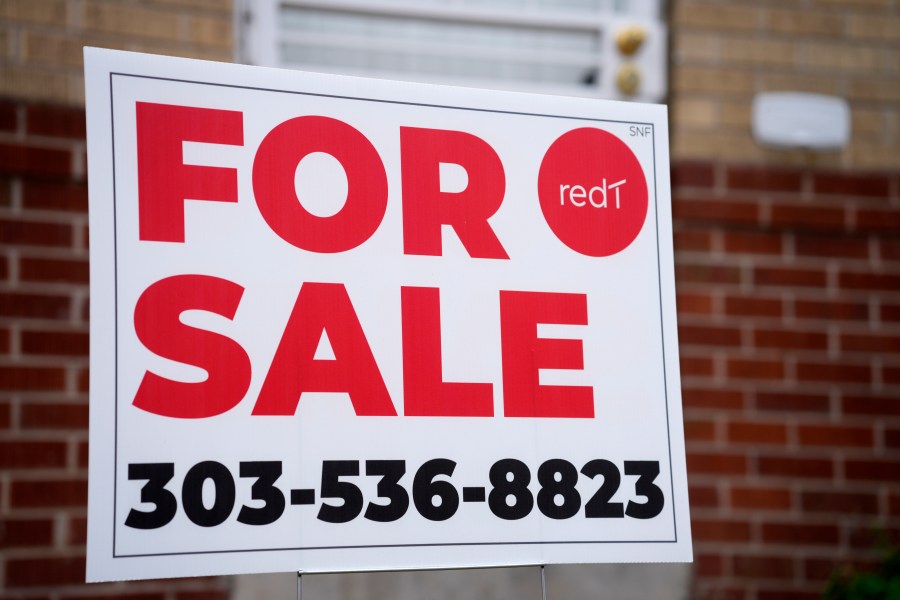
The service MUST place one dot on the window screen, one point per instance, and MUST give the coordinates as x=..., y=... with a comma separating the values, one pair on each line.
x=553, y=46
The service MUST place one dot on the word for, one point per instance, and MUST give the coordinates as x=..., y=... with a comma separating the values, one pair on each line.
x=165, y=182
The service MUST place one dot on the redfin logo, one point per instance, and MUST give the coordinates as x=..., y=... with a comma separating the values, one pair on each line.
x=578, y=193
x=593, y=192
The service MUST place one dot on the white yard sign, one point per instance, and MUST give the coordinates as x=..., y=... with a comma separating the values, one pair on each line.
x=341, y=324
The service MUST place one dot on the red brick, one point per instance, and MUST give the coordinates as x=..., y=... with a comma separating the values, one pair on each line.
x=763, y=179
x=872, y=470
x=694, y=304
x=696, y=366
x=18, y=533
x=790, y=339
x=8, y=118
x=832, y=247
x=54, y=416
x=894, y=504
x=746, y=368
x=718, y=274
x=5, y=192
x=709, y=565
x=54, y=270
x=32, y=455
x=699, y=430
x=788, y=466
x=692, y=241
x=714, y=530
x=77, y=531
x=789, y=593
x=756, y=433
x=718, y=399
x=848, y=184
x=789, y=402
x=800, y=534
x=718, y=210
x=839, y=503
x=783, y=277
x=203, y=595
x=5, y=415
x=821, y=569
x=834, y=372
x=717, y=590
x=21, y=159
x=760, y=498
x=809, y=217
x=743, y=306
x=131, y=595
x=699, y=463
x=5, y=341
x=832, y=311
x=35, y=233
x=4, y=268
x=703, y=496
x=869, y=281
x=692, y=174
x=866, y=538
x=48, y=493
x=887, y=406
x=66, y=343
x=57, y=196
x=700, y=335
x=764, y=567
x=890, y=249
x=890, y=375
x=745, y=242
x=55, y=121
x=887, y=344
x=892, y=438
x=84, y=380
x=870, y=219
x=32, y=379
x=38, y=306
x=835, y=436
x=44, y=571
x=83, y=450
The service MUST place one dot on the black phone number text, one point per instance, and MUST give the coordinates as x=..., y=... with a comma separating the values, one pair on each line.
x=434, y=494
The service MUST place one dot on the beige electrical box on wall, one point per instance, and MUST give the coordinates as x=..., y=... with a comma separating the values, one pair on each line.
x=801, y=120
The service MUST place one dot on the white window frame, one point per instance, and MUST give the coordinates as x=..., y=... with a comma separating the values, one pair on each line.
x=259, y=36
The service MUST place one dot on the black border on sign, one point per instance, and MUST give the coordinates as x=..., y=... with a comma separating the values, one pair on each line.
x=113, y=74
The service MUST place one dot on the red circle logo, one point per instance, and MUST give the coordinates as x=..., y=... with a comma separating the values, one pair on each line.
x=593, y=192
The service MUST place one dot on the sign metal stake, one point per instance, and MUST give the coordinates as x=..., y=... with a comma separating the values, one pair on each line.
x=543, y=585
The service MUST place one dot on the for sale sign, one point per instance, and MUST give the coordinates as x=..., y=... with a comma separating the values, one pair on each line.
x=341, y=324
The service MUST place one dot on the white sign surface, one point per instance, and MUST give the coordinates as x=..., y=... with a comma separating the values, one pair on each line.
x=341, y=324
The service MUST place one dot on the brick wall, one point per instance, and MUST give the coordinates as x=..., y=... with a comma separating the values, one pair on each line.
x=44, y=364
x=41, y=40
x=44, y=277
x=789, y=322
x=788, y=275
x=789, y=293
x=725, y=51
